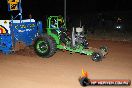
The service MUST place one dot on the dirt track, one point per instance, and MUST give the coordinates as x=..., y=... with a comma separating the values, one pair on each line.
x=63, y=69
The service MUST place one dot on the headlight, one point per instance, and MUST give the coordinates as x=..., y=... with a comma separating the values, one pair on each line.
x=118, y=27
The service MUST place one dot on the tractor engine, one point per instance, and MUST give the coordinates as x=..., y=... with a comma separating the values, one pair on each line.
x=78, y=38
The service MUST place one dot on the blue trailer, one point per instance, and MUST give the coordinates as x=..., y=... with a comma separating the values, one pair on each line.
x=17, y=33
x=14, y=32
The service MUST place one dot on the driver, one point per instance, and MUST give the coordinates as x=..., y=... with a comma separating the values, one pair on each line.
x=53, y=23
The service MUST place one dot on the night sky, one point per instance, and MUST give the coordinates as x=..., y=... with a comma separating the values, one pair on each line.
x=40, y=8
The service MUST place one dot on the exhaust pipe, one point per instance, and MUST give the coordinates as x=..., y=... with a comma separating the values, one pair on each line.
x=73, y=37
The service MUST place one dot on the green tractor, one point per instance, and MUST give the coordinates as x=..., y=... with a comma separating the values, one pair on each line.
x=57, y=38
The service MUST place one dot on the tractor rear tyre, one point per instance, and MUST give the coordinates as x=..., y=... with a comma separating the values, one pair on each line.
x=45, y=46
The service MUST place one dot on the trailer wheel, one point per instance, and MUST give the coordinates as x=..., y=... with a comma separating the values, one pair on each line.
x=97, y=56
x=45, y=46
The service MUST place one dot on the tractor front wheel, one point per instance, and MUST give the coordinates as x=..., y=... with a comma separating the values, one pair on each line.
x=45, y=46
x=104, y=50
x=96, y=56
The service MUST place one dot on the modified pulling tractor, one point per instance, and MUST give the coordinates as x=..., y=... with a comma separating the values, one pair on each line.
x=57, y=38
